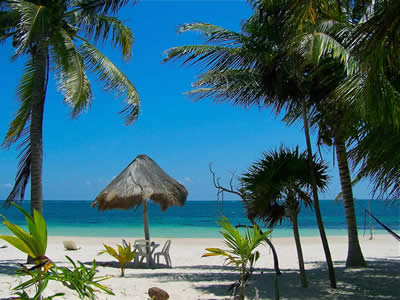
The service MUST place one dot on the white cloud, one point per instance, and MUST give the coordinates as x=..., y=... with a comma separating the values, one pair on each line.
x=6, y=185
x=187, y=179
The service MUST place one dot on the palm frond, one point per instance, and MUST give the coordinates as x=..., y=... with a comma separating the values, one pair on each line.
x=8, y=22
x=279, y=176
x=24, y=170
x=24, y=93
x=20, y=131
x=373, y=96
x=70, y=72
x=34, y=22
x=101, y=6
x=377, y=35
x=375, y=151
x=102, y=27
x=209, y=56
x=212, y=33
x=240, y=87
x=114, y=79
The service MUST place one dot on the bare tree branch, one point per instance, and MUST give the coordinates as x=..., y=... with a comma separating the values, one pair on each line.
x=221, y=189
x=242, y=194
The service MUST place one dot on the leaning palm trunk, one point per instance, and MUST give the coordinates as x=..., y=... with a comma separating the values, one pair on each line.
x=354, y=254
x=274, y=255
x=40, y=61
x=269, y=243
x=303, y=278
x=316, y=200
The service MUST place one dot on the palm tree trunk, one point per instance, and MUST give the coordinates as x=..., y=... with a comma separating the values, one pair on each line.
x=40, y=61
x=303, y=277
x=275, y=256
x=354, y=254
x=316, y=201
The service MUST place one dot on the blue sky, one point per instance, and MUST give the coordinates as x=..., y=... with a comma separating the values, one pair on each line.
x=81, y=156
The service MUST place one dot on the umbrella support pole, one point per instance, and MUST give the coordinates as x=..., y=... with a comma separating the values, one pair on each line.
x=146, y=232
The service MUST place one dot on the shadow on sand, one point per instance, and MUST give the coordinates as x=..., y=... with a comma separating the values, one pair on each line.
x=378, y=281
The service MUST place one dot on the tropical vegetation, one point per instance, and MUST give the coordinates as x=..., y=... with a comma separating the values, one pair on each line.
x=124, y=254
x=254, y=68
x=312, y=60
x=81, y=279
x=278, y=186
x=241, y=252
x=55, y=37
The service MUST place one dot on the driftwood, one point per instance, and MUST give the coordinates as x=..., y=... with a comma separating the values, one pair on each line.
x=239, y=192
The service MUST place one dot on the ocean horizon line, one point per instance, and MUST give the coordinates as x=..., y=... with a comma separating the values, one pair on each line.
x=190, y=200
x=194, y=219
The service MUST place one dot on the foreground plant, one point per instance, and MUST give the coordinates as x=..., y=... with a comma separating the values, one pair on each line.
x=124, y=255
x=241, y=252
x=79, y=278
x=32, y=243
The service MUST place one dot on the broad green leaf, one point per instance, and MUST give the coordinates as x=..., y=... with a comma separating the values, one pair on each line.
x=23, y=211
x=23, y=236
x=17, y=243
x=40, y=232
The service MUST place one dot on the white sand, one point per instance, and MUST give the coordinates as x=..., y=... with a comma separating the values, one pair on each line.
x=193, y=277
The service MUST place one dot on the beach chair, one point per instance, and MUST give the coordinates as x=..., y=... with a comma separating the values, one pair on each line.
x=70, y=246
x=164, y=252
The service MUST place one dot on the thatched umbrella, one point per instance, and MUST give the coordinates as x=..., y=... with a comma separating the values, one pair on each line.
x=142, y=179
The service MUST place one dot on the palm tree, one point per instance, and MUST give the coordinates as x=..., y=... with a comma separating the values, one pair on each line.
x=55, y=36
x=253, y=68
x=276, y=188
x=374, y=91
x=268, y=70
x=366, y=33
x=374, y=42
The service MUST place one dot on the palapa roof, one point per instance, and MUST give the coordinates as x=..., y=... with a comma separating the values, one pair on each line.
x=142, y=179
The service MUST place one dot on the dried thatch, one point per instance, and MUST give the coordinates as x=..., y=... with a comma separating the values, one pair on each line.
x=142, y=179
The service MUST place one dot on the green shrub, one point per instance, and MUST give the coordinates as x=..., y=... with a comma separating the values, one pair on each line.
x=241, y=252
x=80, y=279
x=124, y=255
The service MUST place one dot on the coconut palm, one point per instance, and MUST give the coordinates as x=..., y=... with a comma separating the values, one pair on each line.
x=278, y=185
x=55, y=36
x=253, y=68
x=374, y=42
x=367, y=35
x=375, y=92
x=293, y=75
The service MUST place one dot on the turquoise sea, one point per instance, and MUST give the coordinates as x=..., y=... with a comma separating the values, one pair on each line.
x=196, y=219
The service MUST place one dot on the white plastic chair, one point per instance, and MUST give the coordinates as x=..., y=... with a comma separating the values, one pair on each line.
x=164, y=252
x=142, y=252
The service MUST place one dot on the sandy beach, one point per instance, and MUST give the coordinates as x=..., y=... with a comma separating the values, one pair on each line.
x=194, y=277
